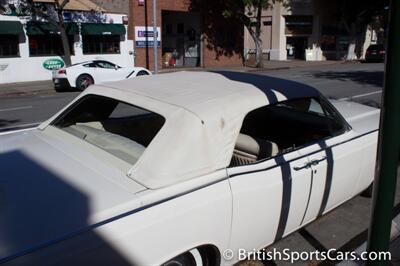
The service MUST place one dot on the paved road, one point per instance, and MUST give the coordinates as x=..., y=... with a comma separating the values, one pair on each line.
x=344, y=228
x=361, y=81
x=27, y=110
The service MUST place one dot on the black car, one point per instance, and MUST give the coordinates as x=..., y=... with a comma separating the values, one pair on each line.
x=375, y=53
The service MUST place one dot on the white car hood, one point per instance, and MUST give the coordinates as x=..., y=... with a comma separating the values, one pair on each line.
x=46, y=194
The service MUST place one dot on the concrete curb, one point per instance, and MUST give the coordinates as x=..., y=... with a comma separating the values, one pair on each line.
x=395, y=233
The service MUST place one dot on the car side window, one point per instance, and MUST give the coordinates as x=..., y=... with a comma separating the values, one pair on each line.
x=105, y=64
x=142, y=73
x=283, y=127
x=90, y=65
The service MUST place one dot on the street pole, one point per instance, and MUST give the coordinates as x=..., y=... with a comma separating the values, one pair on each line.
x=388, y=146
x=155, y=37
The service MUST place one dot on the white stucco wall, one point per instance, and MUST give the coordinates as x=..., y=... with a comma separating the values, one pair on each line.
x=30, y=68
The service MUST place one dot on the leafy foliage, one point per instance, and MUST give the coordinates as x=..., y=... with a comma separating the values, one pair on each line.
x=355, y=16
x=49, y=12
x=360, y=13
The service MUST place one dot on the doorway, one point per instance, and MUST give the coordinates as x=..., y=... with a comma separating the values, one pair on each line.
x=296, y=47
x=180, y=39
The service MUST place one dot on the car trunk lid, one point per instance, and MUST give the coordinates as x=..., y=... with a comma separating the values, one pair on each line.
x=362, y=118
x=46, y=194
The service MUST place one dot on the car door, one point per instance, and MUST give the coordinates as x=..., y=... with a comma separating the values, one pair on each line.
x=336, y=164
x=269, y=199
x=87, y=68
x=107, y=71
x=311, y=173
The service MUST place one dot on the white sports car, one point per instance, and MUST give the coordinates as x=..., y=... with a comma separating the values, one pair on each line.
x=175, y=169
x=84, y=74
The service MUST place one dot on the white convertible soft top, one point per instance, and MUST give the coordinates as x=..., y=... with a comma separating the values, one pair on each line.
x=204, y=112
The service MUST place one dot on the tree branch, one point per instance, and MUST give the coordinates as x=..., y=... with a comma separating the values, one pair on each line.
x=63, y=4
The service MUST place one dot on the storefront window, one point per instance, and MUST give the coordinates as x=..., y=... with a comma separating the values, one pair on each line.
x=101, y=44
x=298, y=25
x=9, y=45
x=51, y=44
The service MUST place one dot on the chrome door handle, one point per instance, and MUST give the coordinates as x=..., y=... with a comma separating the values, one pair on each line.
x=317, y=161
x=309, y=164
x=297, y=168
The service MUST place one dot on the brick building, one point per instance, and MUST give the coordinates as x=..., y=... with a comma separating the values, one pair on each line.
x=113, y=6
x=193, y=33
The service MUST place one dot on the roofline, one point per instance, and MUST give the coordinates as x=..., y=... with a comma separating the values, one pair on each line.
x=154, y=99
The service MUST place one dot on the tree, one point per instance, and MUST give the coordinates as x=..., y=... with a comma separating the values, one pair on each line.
x=355, y=16
x=250, y=13
x=49, y=12
x=53, y=13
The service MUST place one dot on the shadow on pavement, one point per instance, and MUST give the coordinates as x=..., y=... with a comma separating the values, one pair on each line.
x=288, y=88
x=374, y=78
x=6, y=123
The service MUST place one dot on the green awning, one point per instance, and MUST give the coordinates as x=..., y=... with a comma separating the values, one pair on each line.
x=102, y=29
x=11, y=27
x=43, y=28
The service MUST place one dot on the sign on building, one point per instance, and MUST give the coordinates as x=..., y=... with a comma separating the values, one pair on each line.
x=52, y=64
x=144, y=36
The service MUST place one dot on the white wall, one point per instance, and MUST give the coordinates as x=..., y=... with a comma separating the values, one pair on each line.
x=26, y=68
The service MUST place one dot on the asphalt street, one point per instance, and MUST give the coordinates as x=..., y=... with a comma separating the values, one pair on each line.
x=345, y=228
x=360, y=82
x=28, y=110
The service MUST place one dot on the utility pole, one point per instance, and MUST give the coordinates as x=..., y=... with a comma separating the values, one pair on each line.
x=155, y=37
x=389, y=142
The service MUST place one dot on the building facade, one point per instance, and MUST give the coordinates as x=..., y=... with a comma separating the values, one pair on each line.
x=190, y=34
x=304, y=30
x=117, y=7
x=30, y=49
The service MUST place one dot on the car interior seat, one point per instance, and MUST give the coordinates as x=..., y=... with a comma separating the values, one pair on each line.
x=249, y=150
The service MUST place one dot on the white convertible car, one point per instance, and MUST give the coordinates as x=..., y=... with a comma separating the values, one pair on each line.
x=174, y=169
x=87, y=73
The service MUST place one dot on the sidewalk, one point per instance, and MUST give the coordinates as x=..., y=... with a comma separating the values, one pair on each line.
x=394, y=244
x=46, y=86
x=268, y=66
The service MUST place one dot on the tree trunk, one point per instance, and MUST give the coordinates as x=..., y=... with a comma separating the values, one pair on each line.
x=351, y=50
x=66, y=48
x=258, y=45
x=64, y=37
x=257, y=39
x=259, y=53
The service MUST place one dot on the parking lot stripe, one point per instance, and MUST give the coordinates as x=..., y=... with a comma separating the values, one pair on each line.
x=16, y=108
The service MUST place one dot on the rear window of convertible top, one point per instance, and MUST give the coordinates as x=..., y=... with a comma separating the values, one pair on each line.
x=118, y=128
